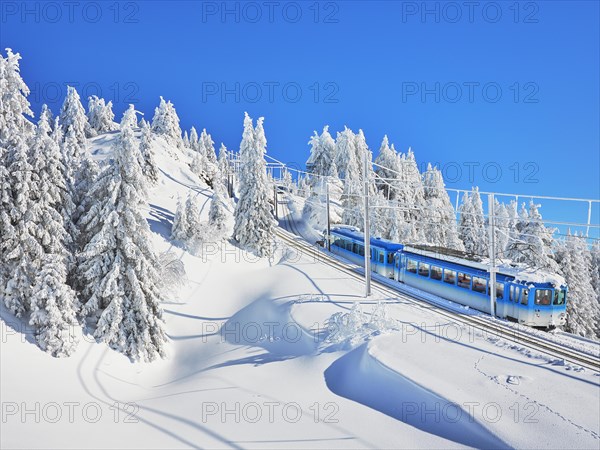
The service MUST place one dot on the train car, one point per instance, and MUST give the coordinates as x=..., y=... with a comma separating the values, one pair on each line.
x=533, y=298
x=348, y=242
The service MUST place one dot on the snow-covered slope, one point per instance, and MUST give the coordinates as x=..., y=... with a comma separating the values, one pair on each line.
x=250, y=366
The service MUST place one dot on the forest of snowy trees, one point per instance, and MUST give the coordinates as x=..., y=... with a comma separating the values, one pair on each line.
x=75, y=245
x=417, y=209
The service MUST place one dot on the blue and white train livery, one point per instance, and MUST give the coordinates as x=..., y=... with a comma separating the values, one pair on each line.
x=528, y=297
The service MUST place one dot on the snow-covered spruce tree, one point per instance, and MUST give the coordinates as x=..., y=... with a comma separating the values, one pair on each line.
x=582, y=305
x=323, y=160
x=14, y=105
x=195, y=143
x=186, y=139
x=149, y=168
x=224, y=168
x=352, y=197
x=217, y=214
x=22, y=251
x=389, y=172
x=501, y=227
x=438, y=216
x=254, y=224
x=471, y=224
x=47, y=117
x=118, y=268
x=209, y=146
x=179, y=226
x=18, y=248
x=345, y=152
x=166, y=123
x=53, y=313
x=100, y=116
x=413, y=195
x=534, y=246
x=72, y=117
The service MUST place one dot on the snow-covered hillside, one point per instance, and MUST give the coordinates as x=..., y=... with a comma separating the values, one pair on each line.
x=253, y=362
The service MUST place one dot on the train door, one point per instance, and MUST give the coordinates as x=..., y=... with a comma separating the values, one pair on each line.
x=397, y=266
x=512, y=307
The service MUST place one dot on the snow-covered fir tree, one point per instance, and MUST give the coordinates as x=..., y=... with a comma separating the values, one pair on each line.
x=166, y=123
x=195, y=143
x=21, y=250
x=47, y=117
x=501, y=227
x=254, y=224
x=179, y=228
x=322, y=165
x=387, y=168
x=345, y=152
x=53, y=313
x=149, y=167
x=209, y=146
x=438, y=216
x=534, y=245
x=217, y=214
x=118, y=268
x=471, y=225
x=352, y=197
x=224, y=167
x=100, y=116
x=583, y=309
x=73, y=119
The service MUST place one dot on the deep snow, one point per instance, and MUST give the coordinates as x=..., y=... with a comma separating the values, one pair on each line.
x=250, y=366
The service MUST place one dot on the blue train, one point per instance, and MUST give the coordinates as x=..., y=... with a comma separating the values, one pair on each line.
x=528, y=297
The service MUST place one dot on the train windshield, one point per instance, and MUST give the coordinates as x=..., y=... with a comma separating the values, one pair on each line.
x=559, y=296
x=543, y=296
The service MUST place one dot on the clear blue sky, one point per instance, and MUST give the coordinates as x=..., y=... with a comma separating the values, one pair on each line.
x=362, y=64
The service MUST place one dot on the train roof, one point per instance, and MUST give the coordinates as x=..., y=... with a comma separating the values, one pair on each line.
x=356, y=234
x=520, y=273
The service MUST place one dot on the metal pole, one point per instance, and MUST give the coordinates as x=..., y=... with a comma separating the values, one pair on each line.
x=492, y=250
x=275, y=200
x=367, y=232
x=587, y=233
x=328, y=217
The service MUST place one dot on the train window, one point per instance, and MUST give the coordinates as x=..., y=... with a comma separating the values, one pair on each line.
x=464, y=280
x=436, y=272
x=514, y=294
x=543, y=296
x=525, y=297
x=449, y=276
x=423, y=269
x=479, y=284
x=411, y=266
x=499, y=290
x=390, y=258
x=361, y=250
x=355, y=248
x=381, y=256
x=559, y=296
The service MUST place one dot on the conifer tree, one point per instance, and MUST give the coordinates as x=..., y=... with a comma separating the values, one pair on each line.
x=254, y=225
x=73, y=119
x=118, y=268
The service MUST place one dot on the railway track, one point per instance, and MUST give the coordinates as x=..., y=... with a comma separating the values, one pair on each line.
x=589, y=361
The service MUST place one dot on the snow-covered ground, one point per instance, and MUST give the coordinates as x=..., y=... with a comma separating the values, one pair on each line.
x=253, y=364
